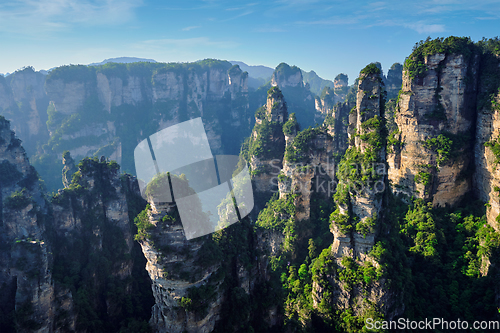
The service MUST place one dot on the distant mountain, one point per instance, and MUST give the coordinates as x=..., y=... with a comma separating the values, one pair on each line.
x=259, y=75
x=260, y=71
x=124, y=60
x=316, y=83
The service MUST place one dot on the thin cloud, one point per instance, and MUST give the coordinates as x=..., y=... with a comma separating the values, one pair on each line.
x=420, y=27
x=487, y=18
x=269, y=29
x=293, y=3
x=333, y=21
x=191, y=27
x=426, y=28
x=186, y=43
x=238, y=16
x=242, y=7
x=34, y=17
x=376, y=6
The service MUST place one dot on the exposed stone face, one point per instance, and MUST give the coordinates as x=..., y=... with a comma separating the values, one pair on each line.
x=97, y=218
x=314, y=174
x=69, y=169
x=417, y=122
x=169, y=286
x=276, y=109
x=326, y=103
x=291, y=78
x=365, y=202
x=265, y=169
x=394, y=80
x=337, y=123
x=486, y=177
x=114, y=92
x=25, y=276
x=340, y=81
x=367, y=105
x=175, y=96
x=23, y=101
x=364, y=206
x=67, y=97
x=238, y=82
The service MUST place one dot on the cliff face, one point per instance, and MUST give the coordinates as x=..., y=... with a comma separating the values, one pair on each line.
x=393, y=80
x=308, y=169
x=337, y=122
x=25, y=261
x=180, y=275
x=176, y=94
x=435, y=125
x=23, y=101
x=286, y=76
x=265, y=148
x=97, y=267
x=70, y=265
x=359, y=197
x=359, y=215
x=106, y=110
x=298, y=95
x=486, y=178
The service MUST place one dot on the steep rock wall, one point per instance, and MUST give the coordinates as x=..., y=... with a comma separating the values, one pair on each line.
x=440, y=103
x=175, y=269
x=486, y=178
x=25, y=262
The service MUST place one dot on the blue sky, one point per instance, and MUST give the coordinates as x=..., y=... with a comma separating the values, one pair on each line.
x=328, y=37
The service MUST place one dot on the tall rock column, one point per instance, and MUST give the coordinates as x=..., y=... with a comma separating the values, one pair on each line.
x=265, y=148
x=361, y=172
x=26, y=285
x=362, y=183
x=435, y=117
x=486, y=151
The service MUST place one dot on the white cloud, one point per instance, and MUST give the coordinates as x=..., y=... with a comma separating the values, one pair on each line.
x=191, y=27
x=334, y=21
x=186, y=43
x=420, y=27
x=248, y=12
x=269, y=29
x=242, y=7
x=426, y=28
x=35, y=17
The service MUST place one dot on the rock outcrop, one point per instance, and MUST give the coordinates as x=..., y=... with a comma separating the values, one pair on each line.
x=435, y=120
x=393, y=80
x=299, y=98
x=486, y=178
x=265, y=148
x=186, y=286
x=26, y=283
x=24, y=102
x=105, y=110
x=359, y=197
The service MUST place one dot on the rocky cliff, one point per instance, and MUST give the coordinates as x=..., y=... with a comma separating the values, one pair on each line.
x=107, y=109
x=378, y=213
x=435, y=120
x=98, y=269
x=299, y=98
x=24, y=102
x=264, y=149
x=185, y=279
x=27, y=289
x=71, y=264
